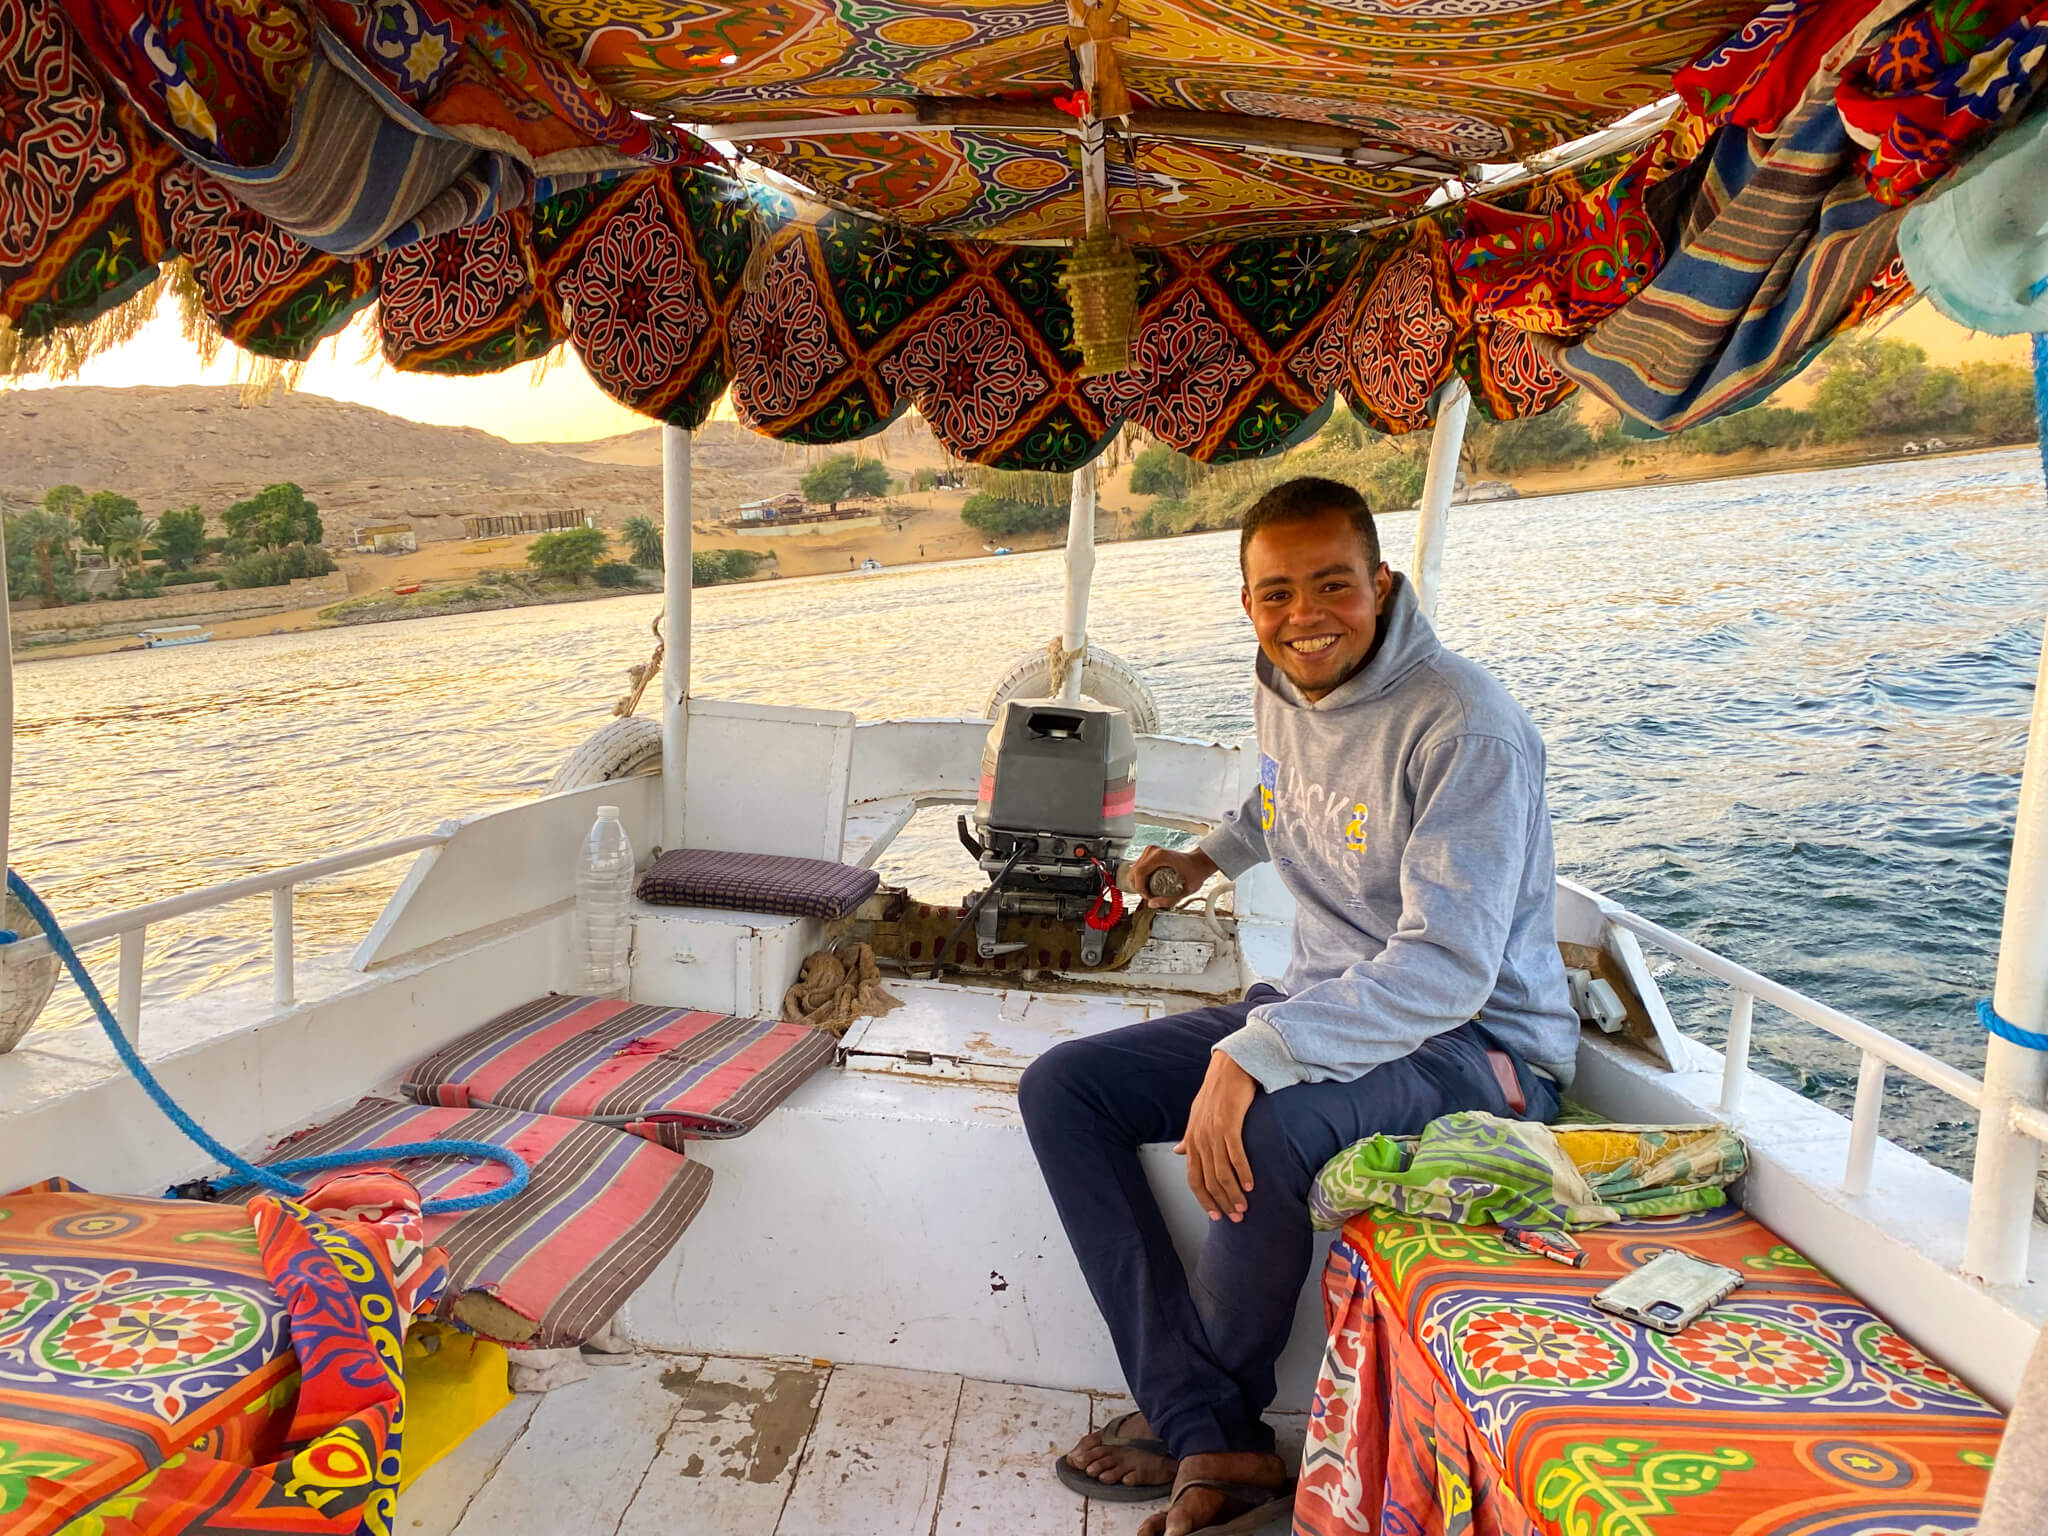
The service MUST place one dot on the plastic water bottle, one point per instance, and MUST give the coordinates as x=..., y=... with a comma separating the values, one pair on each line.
x=604, y=892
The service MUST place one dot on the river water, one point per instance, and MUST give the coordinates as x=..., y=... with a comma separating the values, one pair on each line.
x=1785, y=717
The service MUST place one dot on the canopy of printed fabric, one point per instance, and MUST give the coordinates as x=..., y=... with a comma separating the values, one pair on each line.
x=845, y=321
x=527, y=205
x=1232, y=115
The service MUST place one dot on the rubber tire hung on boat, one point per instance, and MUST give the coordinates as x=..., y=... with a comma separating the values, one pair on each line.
x=1105, y=677
x=626, y=748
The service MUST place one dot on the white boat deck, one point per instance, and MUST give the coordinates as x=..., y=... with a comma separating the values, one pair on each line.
x=684, y=1445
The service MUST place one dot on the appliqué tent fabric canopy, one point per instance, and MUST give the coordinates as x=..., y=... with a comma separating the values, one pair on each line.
x=499, y=179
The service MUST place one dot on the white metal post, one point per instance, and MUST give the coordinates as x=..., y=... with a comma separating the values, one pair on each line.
x=1735, y=1053
x=283, y=968
x=128, y=993
x=1863, y=1125
x=675, y=637
x=1432, y=521
x=1080, y=574
x=2002, y=1182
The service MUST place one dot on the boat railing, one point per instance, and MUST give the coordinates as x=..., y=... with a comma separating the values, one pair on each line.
x=1877, y=1052
x=132, y=926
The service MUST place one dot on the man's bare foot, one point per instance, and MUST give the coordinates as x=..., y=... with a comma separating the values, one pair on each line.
x=1197, y=1509
x=1122, y=1463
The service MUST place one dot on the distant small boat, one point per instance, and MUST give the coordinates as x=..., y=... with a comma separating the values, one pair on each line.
x=1004, y=550
x=172, y=634
x=405, y=591
x=871, y=565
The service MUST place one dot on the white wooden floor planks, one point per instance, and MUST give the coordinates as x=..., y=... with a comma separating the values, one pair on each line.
x=582, y=1457
x=877, y=1455
x=730, y=1456
x=681, y=1446
x=433, y=1505
x=999, y=1478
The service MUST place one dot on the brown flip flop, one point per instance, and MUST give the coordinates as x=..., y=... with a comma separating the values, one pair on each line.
x=1116, y=1493
x=1260, y=1507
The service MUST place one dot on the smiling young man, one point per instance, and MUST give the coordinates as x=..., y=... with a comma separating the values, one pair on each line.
x=1401, y=800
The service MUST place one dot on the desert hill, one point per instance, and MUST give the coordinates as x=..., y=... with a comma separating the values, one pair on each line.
x=727, y=446
x=169, y=446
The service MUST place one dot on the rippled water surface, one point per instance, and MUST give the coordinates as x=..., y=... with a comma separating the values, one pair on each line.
x=1785, y=717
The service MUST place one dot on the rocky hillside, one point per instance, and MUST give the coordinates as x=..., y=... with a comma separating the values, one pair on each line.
x=171, y=447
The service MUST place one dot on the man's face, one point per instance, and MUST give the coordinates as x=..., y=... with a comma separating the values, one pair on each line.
x=1315, y=599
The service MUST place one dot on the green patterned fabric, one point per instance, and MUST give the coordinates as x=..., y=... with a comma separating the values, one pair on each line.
x=1477, y=1169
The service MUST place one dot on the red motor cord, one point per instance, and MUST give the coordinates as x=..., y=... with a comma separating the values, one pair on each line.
x=1108, y=910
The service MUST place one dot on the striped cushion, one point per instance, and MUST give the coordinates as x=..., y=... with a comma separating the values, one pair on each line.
x=549, y=1267
x=669, y=1074
x=757, y=882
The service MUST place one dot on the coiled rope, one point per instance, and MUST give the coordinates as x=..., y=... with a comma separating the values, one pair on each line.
x=276, y=1177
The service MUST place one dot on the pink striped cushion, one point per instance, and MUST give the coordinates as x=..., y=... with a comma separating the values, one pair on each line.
x=669, y=1074
x=598, y=1213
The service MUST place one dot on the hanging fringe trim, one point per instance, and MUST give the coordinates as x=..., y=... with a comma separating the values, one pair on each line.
x=63, y=354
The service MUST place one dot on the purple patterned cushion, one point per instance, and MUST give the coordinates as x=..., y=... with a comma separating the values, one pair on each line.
x=757, y=882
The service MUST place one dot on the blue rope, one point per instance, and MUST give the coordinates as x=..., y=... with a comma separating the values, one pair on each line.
x=276, y=1176
x=2005, y=1029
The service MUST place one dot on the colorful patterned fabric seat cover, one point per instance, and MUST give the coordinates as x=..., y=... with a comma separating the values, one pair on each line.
x=1470, y=1387
x=548, y=1268
x=669, y=1074
x=757, y=882
x=130, y=1330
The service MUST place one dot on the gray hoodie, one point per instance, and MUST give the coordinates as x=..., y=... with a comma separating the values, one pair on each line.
x=1405, y=812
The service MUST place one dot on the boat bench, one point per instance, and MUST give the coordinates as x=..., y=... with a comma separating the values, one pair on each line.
x=600, y=1097
x=1465, y=1380
x=728, y=930
x=132, y=1328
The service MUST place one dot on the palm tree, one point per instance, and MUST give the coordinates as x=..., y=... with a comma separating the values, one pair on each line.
x=125, y=537
x=645, y=541
x=48, y=535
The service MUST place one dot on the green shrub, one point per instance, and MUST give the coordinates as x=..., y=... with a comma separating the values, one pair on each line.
x=987, y=512
x=278, y=567
x=709, y=567
x=1395, y=482
x=181, y=534
x=568, y=553
x=189, y=578
x=617, y=573
x=1998, y=400
x=143, y=583
x=1555, y=439
x=1763, y=426
x=1160, y=471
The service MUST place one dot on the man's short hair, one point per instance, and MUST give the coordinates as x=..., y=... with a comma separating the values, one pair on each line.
x=1303, y=499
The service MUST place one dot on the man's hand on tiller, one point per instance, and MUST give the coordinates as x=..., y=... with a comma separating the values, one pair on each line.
x=1193, y=867
x=1218, y=1171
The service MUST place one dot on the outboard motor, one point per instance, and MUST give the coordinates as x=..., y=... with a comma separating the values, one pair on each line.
x=1058, y=804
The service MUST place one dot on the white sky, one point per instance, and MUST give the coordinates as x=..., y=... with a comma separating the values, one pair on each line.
x=564, y=407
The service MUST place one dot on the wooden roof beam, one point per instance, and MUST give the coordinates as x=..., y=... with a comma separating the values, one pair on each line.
x=1326, y=142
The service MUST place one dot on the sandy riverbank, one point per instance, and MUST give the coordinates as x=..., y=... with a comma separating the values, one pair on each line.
x=925, y=527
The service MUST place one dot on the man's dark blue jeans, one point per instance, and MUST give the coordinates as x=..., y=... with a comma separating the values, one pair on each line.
x=1199, y=1351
